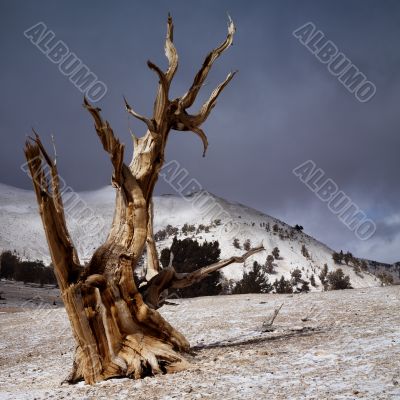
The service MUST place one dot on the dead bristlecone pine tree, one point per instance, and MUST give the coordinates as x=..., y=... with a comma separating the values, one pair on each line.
x=117, y=330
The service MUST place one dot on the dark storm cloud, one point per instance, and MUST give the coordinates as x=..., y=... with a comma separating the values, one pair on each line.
x=282, y=108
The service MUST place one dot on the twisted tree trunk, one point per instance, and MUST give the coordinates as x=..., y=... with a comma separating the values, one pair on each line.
x=117, y=330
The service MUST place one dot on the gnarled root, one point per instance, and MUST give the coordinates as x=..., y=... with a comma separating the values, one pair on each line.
x=138, y=357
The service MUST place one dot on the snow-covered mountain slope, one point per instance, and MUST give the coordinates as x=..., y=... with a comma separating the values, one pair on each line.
x=378, y=268
x=210, y=218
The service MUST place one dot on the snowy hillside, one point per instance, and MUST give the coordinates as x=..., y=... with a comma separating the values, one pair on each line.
x=208, y=219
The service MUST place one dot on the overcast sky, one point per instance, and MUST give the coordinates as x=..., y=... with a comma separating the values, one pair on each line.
x=281, y=109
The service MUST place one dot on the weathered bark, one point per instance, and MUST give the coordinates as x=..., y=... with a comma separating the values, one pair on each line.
x=153, y=263
x=117, y=330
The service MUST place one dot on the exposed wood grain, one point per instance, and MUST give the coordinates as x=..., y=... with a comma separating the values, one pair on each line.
x=117, y=329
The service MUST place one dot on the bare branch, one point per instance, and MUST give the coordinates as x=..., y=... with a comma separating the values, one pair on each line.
x=188, y=122
x=43, y=151
x=34, y=157
x=267, y=324
x=168, y=278
x=63, y=253
x=180, y=119
x=210, y=103
x=149, y=122
x=53, y=141
x=185, y=280
x=110, y=142
x=131, y=195
x=185, y=122
x=55, y=181
x=200, y=133
x=189, y=97
x=170, y=51
x=161, y=101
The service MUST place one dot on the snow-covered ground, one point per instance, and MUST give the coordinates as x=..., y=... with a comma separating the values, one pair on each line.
x=89, y=216
x=329, y=345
